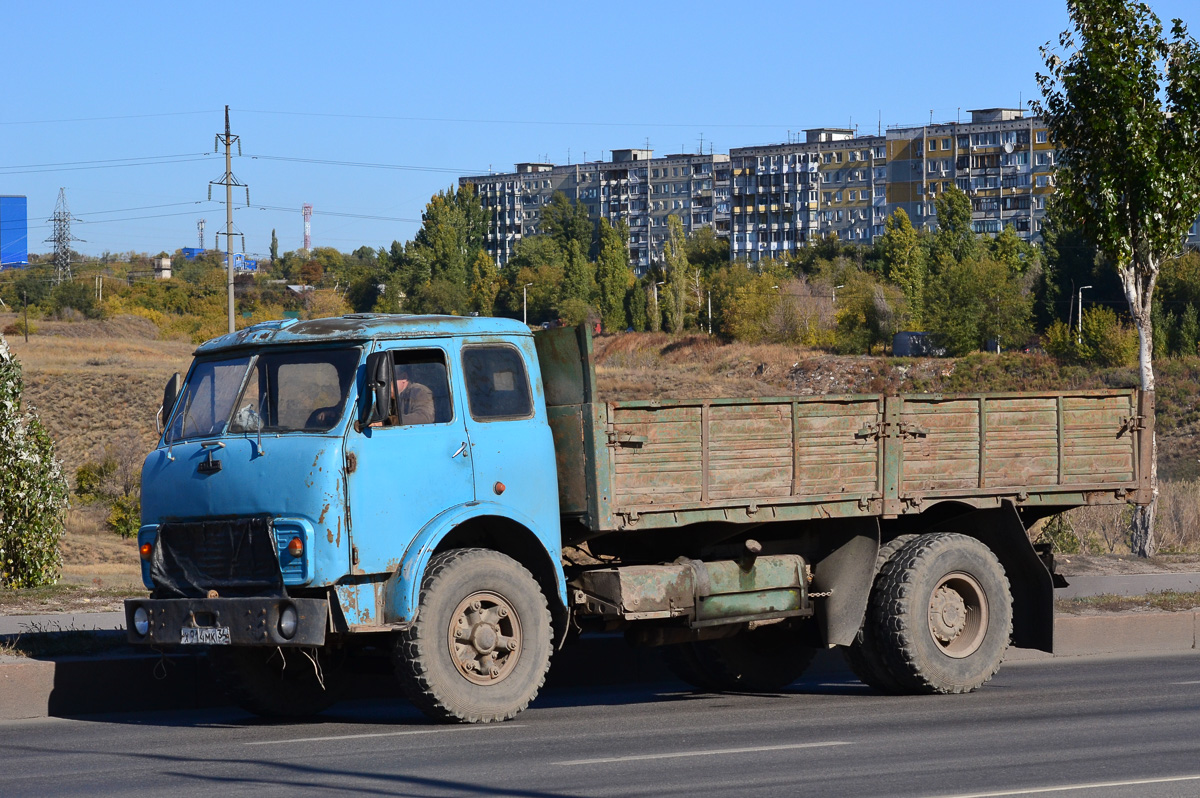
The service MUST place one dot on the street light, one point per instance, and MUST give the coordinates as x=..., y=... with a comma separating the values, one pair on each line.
x=1079, y=338
x=835, y=290
x=525, y=304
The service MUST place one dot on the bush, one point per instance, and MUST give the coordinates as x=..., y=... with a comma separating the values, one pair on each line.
x=1104, y=341
x=33, y=493
x=18, y=327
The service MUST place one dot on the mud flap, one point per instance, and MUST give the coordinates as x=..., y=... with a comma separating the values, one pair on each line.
x=846, y=574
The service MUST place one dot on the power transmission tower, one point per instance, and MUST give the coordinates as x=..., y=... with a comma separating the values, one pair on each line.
x=61, y=238
x=229, y=181
x=200, y=229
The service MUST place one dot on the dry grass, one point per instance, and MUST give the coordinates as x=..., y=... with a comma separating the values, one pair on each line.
x=1166, y=601
x=1104, y=529
x=93, y=380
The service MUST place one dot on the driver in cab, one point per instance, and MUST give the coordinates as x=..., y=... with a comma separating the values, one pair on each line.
x=412, y=401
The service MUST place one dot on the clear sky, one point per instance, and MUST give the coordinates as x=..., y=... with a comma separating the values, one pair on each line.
x=382, y=104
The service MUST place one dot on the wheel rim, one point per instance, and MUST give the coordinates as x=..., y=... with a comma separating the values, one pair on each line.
x=484, y=638
x=958, y=615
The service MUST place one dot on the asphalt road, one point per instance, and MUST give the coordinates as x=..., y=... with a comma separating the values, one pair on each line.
x=1090, y=727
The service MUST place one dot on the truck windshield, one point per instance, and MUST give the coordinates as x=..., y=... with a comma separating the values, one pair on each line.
x=270, y=392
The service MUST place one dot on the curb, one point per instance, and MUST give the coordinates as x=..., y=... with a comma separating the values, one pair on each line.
x=134, y=682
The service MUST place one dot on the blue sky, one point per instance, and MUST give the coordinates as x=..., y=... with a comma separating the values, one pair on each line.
x=444, y=89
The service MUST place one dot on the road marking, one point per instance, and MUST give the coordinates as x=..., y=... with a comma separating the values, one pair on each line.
x=382, y=734
x=1075, y=787
x=1194, y=682
x=710, y=752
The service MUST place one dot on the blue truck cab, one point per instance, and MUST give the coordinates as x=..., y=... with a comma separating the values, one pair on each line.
x=308, y=472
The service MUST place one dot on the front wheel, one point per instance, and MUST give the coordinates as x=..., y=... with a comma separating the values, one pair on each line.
x=943, y=614
x=480, y=646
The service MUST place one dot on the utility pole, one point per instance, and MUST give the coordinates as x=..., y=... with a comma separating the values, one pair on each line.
x=61, y=238
x=229, y=181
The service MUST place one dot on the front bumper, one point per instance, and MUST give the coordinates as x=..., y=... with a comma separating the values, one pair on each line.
x=250, y=621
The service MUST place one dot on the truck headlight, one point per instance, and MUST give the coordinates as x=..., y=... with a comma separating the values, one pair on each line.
x=288, y=621
x=141, y=621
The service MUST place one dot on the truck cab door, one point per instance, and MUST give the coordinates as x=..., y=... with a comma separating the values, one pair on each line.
x=511, y=444
x=404, y=471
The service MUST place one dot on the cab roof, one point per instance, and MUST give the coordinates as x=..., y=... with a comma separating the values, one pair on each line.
x=360, y=327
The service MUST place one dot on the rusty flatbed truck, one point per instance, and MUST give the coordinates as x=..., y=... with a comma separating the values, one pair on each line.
x=294, y=516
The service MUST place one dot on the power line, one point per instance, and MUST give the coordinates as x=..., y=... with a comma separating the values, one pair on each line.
x=555, y=123
x=101, y=166
x=104, y=118
x=365, y=165
x=345, y=215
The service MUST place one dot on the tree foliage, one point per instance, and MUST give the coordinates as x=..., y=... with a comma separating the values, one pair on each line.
x=33, y=492
x=1123, y=105
x=976, y=301
x=614, y=277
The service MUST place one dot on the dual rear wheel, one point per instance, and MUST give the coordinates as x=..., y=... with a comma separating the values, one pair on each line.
x=939, y=618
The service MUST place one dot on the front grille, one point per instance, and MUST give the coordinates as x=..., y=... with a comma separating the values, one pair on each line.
x=235, y=557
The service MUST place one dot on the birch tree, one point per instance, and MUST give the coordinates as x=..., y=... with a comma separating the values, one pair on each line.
x=1122, y=100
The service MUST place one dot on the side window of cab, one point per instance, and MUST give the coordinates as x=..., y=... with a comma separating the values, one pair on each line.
x=421, y=393
x=497, y=383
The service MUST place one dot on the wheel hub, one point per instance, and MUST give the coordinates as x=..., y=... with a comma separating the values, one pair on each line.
x=484, y=638
x=958, y=614
x=947, y=614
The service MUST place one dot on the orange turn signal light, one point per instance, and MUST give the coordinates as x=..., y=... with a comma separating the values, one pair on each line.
x=296, y=547
x=146, y=550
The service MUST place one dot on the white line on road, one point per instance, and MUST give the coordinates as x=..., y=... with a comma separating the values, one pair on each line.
x=1193, y=682
x=710, y=752
x=1095, y=785
x=382, y=734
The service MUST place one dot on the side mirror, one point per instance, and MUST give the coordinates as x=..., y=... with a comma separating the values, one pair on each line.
x=377, y=397
x=170, y=395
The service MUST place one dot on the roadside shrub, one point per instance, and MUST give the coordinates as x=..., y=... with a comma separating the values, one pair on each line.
x=1104, y=340
x=33, y=492
x=113, y=480
x=18, y=328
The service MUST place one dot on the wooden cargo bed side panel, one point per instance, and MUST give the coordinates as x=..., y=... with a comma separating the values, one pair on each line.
x=946, y=455
x=1020, y=442
x=831, y=457
x=666, y=467
x=750, y=451
x=1093, y=452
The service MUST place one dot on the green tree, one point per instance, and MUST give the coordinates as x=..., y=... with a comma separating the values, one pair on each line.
x=976, y=301
x=955, y=241
x=866, y=313
x=435, y=269
x=539, y=263
x=678, y=276
x=635, y=306
x=486, y=284
x=274, y=246
x=1123, y=104
x=905, y=263
x=613, y=275
x=706, y=250
x=33, y=492
x=566, y=221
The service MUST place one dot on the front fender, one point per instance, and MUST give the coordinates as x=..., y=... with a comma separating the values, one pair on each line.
x=403, y=587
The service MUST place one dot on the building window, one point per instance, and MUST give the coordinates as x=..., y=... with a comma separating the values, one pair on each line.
x=1040, y=137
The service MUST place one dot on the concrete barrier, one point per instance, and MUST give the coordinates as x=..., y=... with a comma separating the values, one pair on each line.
x=131, y=682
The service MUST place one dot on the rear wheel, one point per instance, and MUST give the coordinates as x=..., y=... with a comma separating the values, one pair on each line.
x=864, y=655
x=753, y=661
x=943, y=614
x=480, y=646
x=279, y=682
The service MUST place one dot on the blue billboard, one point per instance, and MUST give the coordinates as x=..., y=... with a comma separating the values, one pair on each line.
x=14, y=232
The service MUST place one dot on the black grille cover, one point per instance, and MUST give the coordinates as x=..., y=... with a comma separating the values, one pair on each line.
x=236, y=557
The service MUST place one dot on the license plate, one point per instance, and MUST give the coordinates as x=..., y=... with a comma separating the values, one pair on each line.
x=209, y=636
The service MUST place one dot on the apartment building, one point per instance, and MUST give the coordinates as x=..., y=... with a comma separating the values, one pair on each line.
x=773, y=199
x=1003, y=160
x=785, y=196
x=633, y=185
